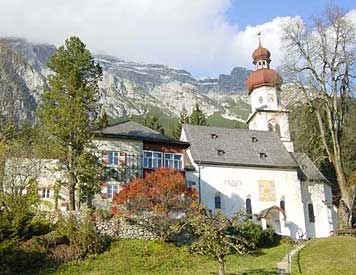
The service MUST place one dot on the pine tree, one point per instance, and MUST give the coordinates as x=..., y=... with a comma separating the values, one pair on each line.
x=183, y=119
x=198, y=117
x=69, y=110
x=156, y=125
x=103, y=120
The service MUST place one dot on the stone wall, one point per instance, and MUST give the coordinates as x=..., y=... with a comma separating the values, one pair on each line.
x=138, y=228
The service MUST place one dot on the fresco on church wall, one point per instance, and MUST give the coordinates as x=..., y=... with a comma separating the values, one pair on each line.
x=267, y=190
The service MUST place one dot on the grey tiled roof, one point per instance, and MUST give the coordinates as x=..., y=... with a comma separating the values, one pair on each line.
x=307, y=169
x=237, y=147
x=134, y=130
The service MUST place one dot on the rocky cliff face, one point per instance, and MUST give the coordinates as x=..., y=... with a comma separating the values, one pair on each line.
x=127, y=87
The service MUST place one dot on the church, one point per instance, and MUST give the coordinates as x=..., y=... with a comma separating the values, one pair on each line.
x=256, y=169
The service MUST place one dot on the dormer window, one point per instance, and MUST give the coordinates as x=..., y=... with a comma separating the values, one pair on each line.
x=254, y=139
x=263, y=156
x=214, y=136
x=220, y=152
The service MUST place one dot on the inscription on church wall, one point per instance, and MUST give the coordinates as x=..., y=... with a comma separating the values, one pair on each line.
x=267, y=190
x=233, y=183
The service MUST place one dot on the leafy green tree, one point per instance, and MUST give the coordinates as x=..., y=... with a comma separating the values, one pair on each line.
x=218, y=236
x=156, y=125
x=70, y=107
x=183, y=119
x=198, y=117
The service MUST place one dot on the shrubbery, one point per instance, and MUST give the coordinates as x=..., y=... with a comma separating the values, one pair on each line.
x=82, y=235
x=70, y=238
x=258, y=236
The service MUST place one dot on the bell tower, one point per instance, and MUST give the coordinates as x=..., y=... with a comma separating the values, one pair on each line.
x=264, y=86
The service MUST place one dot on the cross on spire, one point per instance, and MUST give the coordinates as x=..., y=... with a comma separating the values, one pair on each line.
x=259, y=38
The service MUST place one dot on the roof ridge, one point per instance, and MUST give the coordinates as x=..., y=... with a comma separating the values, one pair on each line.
x=116, y=123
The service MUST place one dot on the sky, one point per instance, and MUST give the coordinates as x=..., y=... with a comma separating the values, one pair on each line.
x=205, y=37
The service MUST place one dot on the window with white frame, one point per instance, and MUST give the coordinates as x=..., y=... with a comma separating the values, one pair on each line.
x=113, y=188
x=46, y=192
x=173, y=161
x=113, y=158
x=152, y=159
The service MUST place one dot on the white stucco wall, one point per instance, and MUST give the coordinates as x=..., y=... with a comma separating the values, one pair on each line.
x=128, y=146
x=264, y=97
x=320, y=196
x=46, y=172
x=236, y=184
x=125, y=145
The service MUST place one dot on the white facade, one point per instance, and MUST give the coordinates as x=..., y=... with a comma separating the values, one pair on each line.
x=325, y=214
x=279, y=199
x=234, y=185
x=268, y=115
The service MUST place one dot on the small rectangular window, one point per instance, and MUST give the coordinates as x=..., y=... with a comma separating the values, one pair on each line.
x=152, y=159
x=113, y=158
x=263, y=156
x=112, y=190
x=46, y=192
x=173, y=161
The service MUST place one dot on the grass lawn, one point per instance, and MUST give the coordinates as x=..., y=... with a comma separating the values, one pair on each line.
x=151, y=257
x=334, y=255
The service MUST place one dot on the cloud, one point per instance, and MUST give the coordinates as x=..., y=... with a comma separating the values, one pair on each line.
x=193, y=35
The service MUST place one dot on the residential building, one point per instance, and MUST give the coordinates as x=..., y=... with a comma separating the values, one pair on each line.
x=127, y=149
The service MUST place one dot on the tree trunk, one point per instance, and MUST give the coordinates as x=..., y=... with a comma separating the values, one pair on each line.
x=56, y=197
x=347, y=199
x=90, y=201
x=221, y=266
x=71, y=187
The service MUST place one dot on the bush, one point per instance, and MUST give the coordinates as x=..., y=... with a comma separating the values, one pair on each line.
x=16, y=258
x=82, y=235
x=40, y=226
x=15, y=224
x=256, y=234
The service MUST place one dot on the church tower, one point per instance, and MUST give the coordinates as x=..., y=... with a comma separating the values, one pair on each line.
x=264, y=85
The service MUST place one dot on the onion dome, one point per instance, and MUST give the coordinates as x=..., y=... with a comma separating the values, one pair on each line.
x=263, y=77
x=261, y=53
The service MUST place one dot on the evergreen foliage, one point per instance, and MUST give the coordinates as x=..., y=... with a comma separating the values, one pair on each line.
x=156, y=125
x=70, y=107
x=103, y=120
x=198, y=117
x=183, y=119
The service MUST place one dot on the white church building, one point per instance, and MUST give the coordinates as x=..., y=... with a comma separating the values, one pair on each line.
x=256, y=169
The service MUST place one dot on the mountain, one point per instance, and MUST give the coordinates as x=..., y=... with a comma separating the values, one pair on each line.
x=127, y=88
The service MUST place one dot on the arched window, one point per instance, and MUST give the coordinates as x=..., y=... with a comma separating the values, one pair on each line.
x=311, y=213
x=270, y=127
x=217, y=202
x=249, y=207
x=278, y=129
x=282, y=205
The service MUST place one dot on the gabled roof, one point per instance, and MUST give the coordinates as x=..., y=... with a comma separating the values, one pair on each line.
x=307, y=169
x=133, y=130
x=240, y=147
